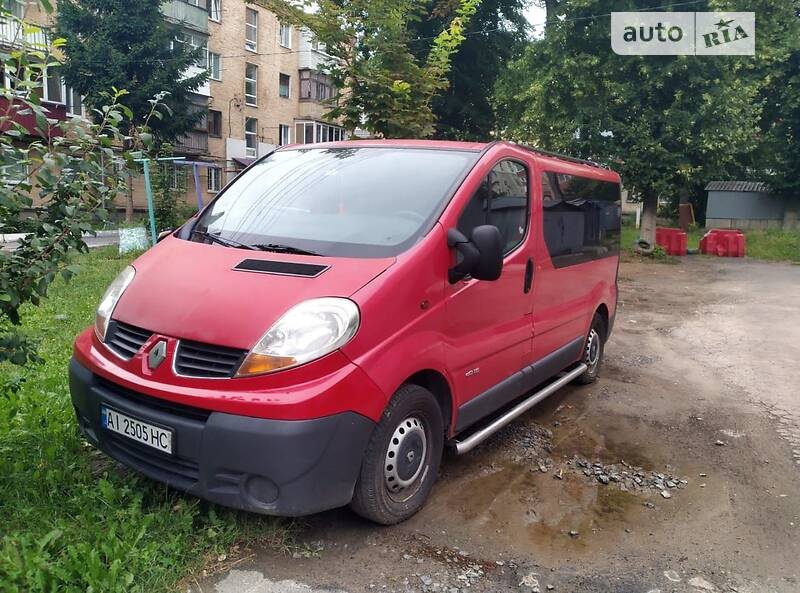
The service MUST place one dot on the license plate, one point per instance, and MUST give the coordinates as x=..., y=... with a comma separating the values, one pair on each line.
x=136, y=430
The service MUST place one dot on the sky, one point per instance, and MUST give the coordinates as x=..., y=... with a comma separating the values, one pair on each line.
x=536, y=16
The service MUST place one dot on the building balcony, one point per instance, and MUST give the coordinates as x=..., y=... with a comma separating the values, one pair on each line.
x=186, y=14
x=15, y=33
x=194, y=142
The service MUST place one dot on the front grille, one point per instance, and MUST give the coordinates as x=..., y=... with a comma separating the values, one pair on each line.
x=126, y=340
x=194, y=359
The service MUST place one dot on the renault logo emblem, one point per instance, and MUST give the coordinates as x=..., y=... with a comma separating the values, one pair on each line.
x=157, y=355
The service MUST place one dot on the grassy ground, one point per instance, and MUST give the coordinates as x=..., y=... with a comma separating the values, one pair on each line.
x=772, y=245
x=70, y=519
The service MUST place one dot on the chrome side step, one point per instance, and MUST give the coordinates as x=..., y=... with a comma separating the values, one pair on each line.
x=476, y=438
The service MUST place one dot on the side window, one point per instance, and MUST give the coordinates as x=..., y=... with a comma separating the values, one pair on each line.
x=502, y=200
x=581, y=218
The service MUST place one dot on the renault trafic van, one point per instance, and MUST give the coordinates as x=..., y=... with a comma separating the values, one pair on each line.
x=341, y=312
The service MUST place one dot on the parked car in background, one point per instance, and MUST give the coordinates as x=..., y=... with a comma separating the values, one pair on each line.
x=339, y=314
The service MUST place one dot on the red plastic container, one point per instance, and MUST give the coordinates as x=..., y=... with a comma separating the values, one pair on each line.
x=673, y=240
x=723, y=243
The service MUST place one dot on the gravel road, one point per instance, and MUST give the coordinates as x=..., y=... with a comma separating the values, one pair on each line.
x=678, y=471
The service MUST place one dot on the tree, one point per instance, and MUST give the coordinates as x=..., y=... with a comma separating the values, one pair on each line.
x=666, y=123
x=70, y=166
x=387, y=79
x=496, y=34
x=129, y=45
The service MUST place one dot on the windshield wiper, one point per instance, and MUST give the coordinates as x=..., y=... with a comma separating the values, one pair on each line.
x=280, y=248
x=225, y=242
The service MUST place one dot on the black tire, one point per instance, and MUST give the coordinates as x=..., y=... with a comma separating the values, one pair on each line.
x=593, y=350
x=380, y=493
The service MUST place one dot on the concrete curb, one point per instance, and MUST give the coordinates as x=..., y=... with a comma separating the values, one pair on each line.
x=14, y=237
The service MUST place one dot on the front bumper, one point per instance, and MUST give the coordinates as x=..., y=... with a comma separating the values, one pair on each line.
x=274, y=467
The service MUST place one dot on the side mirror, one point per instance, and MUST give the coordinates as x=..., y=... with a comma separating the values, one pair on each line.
x=489, y=243
x=481, y=256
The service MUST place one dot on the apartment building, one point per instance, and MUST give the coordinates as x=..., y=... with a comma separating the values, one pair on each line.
x=265, y=89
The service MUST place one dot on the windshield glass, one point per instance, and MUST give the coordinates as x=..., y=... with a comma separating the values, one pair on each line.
x=351, y=202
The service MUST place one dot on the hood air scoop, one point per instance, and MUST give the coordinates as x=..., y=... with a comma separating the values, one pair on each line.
x=281, y=268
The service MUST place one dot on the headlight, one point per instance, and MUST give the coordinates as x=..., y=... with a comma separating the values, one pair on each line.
x=110, y=298
x=304, y=333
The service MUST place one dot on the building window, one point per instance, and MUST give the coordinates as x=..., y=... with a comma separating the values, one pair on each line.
x=315, y=86
x=175, y=175
x=53, y=87
x=214, y=66
x=15, y=7
x=284, y=135
x=214, y=179
x=251, y=30
x=284, y=85
x=251, y=84
x=74, y=102
x=215, y=10
x=285, y=35
x=310, y=132
x=214, y=123
x=14, y=174
x=251, y=136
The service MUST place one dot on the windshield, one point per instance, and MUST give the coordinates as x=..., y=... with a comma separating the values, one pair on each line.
x=351, y=202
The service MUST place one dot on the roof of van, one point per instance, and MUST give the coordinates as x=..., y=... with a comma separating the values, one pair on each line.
x=453, y=145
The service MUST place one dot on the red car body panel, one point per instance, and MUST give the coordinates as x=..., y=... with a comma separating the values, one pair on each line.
x=412, y=319
x=190, y=290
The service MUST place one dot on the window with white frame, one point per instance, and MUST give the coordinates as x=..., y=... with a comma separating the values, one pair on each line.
x=251, y=136
x=285, y=35
x=214, y=179
x=215, y=10
x=74, y=102
x=13, y=174
x=15, y=7
x=284, y=134
x=311, y=132
x=251, y=30
x=251, y=84
x=214, y=66
x=53, y=87
x=284, y=85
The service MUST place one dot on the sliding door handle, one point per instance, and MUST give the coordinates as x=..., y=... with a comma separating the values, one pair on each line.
x=528, y=276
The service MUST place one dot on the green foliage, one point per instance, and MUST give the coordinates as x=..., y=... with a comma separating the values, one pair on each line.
x=123, y=44
x=496, y=34
x=72, y=519
x=773, y=245
x=667, y=123
x=169, y=185
x=73, y=170
x=387, y=78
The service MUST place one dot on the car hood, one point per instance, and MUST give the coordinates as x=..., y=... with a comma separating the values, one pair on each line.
x=190, y=290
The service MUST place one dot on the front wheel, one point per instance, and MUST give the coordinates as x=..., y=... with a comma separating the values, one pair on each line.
x=402, y=459
x=593, y=351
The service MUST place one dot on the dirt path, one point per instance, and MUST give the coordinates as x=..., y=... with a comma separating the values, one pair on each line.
x=695, y=425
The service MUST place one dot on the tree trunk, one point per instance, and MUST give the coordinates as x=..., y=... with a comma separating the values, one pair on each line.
x=649, y=208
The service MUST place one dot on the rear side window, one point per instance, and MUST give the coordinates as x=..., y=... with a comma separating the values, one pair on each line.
x=581, y=218
x=501, y=200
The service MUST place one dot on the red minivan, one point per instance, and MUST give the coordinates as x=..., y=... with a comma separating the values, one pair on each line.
x=340, y=312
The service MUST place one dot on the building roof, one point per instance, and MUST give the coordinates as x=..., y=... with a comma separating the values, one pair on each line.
x=744, y=186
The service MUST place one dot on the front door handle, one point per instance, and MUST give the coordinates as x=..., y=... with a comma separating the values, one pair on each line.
x=528, y=276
